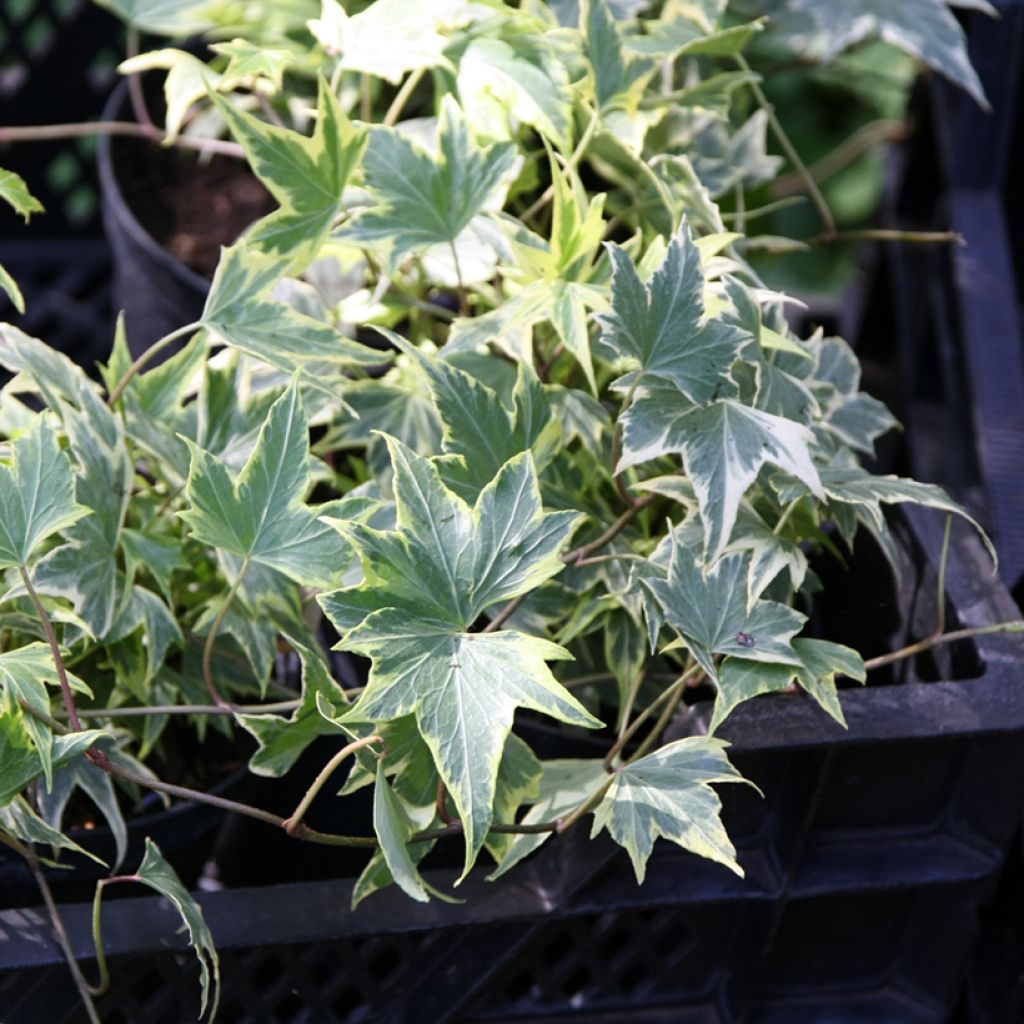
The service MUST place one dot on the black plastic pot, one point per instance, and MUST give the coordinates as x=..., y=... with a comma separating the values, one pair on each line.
x=865, y=864
x=156, y=291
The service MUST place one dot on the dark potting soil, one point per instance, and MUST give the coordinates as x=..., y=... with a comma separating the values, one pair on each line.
x=190, y=205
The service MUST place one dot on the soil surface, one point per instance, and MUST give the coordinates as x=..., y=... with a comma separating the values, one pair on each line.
x=191, y=205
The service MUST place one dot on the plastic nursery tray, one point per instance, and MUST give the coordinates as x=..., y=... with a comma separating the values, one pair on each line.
x=865, y=864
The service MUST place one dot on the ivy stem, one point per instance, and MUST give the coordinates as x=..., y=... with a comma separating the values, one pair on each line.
x=85, y=990
x=335, y=83
x=888, y=235
x=146, y=357
x=58, y=660
x=505, y=614
x=402, y=97
x=294, y=823
x=665, y=695
x=365, y=98
x=51, y=132
x=441, y=803
x=940, y=586
x=575, y=556
x=784, y=518
x=280, y=707
x=1015, y=626
x=138, y=100
x=463, y=294
x=564, y=824
x=97, y=930
x=211, y=637
x=790, y=150
x=659, y=726
x=762, y=211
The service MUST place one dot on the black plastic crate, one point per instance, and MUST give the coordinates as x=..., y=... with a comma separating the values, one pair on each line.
x=894, y=834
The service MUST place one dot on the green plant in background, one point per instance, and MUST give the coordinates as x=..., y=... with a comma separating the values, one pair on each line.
x=583, y=476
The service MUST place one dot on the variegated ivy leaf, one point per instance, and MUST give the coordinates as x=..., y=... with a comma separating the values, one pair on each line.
x=426, y=584
x=708, y=609
x=689, y=32
x=512, y=80
x=18, y=819
x=15, y=193
x=252, y=66
x=661, y=327
x=724, y=445
x=20, y=763
x=618, y=76
x=187, y=81
x=387, y=38
x=394, y=829
x=422, y=200
x=155, y=872
x=740, y=679
x=307, y=176
x=24, y=676
x=260, y=516
x=282, y=740
x=142, y=609
x=926, y=29
x=855, y=486
x=518, y=783
x=478, y=431
x=37, y=494
x=668, y=793
x=162, y=17
x=239, y=313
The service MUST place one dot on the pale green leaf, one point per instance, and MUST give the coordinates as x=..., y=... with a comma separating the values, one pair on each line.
x=708, y=608
x=394, y=829
x=660, y=327
x=260, y=516
x=251, y=65
x=307, y=176
x=281, y=740
x=10, y=286
x=15, y=193
x=186, y=83
x=668, y=793
x=37, y=494
x=426, y=584
x=740, y=679
x=19, y=820
x=163, y=17
x=239, y=312
x=618, y=77
x=155, y=872
x=724, y=446
x=422, y=200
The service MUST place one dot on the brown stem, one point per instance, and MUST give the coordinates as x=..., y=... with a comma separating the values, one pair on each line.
x=937, y=640
x=586, y=550
x=85, y=990
x=58, y=660
x=50, y=132
x=888, y=235
x=442, y=803
x=138, y=100
x=294, y=823
x=505, y=614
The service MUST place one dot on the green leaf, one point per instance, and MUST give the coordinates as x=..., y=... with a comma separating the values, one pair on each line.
x=282, y=740
x=15, y=193
x=661, y=328
x=926, y=29
x=252, y=66
x=708, y=608
x=307, y=176
x=516, y=79
x=421, y=200
x=239, y=313
x=37, y=494
x=155, y=872
x=724, y=446
x=19, y=758
x=19, y=820
x=260, y=516
x=187, y=82
x=24, y=675
x=518, y=783
x=564, y=786
x=476, y=426
x=142, y=609
x=162, y=17
x=618, y=77
x=821, y=661
x=386, y=39
x=160, y=556
x=855, y=486
x=10, y=286
x=85, y=569
x=426, y=584
x=394, y=829
x=668, y=793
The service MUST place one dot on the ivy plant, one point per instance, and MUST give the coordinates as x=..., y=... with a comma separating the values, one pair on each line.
x=494, y=398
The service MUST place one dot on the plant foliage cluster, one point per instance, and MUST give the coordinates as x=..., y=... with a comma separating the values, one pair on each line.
x=494, y=389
